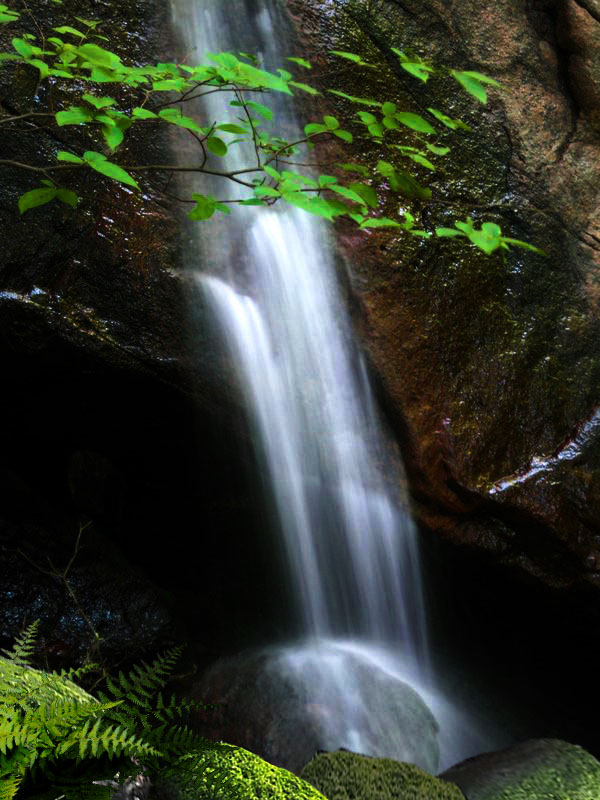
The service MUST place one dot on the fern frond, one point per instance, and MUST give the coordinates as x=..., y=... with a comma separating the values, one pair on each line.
x=137, y=689
x=9, y=786
x=22, y=650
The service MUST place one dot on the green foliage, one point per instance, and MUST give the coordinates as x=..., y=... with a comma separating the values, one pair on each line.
x=488, y=238
x=54, y=735
x=406, y=142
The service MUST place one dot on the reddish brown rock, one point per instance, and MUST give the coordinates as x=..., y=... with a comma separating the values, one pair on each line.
x=493, y=366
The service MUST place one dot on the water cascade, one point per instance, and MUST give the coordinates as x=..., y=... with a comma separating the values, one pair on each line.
x=349, y=540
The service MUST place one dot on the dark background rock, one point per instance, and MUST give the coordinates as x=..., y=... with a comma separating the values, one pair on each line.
x=120, y=408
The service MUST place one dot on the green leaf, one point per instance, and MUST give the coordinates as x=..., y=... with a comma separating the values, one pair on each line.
x=368, y=193
x=390, y=123
x=216, y=146
x=69, y=29
x=266, y=191
x=259, y=78
x=525, y=245
x=263, y=111
x=436, y=149
x=488, y=238
x=171, y=85
x=41, y=65
x=300, y=61
x=36, y=197
x=204, y=208
x=99, y=162
x=113, y=135
x=376, y=130
x=23, y=48
x=389, y=109
x=98, y=102
x=68, y=197
x=315, y=127
x=415, y=66
x=62, y=155
x=7, y=15
x=380, y=222
x=365, y=101
x=230, y=128
x=479, y=76
x=143, y=113
x=348, y=193
x=472, y=83
x=175, y=117
x=449, y=232
x=419, y=158
x=453, y=124
x=346, y=136
x=326, y=180
x=305, y=87
x=420, y=71
x=76, y=115
x=98, y=56
x=349, y=56
x=366, y=117
x=314, y=205
x=415, y=121
x=331, y=122
x=272, y=173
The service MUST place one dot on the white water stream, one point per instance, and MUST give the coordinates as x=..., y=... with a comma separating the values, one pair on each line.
x=350, y=543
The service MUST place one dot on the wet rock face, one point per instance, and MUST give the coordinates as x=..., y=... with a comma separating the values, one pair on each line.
x=493, y=364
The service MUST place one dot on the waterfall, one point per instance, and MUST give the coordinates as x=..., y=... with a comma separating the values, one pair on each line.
x=349, y=541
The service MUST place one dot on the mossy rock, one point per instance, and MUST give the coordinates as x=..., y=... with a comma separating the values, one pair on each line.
x=540, y=769
x=249, y=777
x=349, y=776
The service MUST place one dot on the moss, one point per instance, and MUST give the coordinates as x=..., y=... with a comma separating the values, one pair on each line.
x=250, y=777
x=348, y=776
x=543, y=769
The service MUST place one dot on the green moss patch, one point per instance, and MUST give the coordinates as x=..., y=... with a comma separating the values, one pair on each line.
x=348, y=776
x=249, y=777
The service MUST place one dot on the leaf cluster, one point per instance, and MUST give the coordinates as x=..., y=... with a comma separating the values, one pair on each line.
x=74, y=58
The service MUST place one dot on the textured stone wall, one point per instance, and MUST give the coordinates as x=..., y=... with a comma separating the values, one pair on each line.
x=492, y=365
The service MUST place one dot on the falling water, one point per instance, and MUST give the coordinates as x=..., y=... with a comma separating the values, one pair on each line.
x=349, y=540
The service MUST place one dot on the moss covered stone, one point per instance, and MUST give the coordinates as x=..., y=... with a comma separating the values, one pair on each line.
x=349, y=776
x=541, y=769
x=249, y=777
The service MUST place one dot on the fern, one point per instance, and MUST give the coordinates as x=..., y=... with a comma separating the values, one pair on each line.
x=53, y=733
x=24, y=646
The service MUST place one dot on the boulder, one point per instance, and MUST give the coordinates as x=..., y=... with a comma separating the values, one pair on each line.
x=286, y=704
x=350, y=776
x=247, y=776
x=539, y=769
